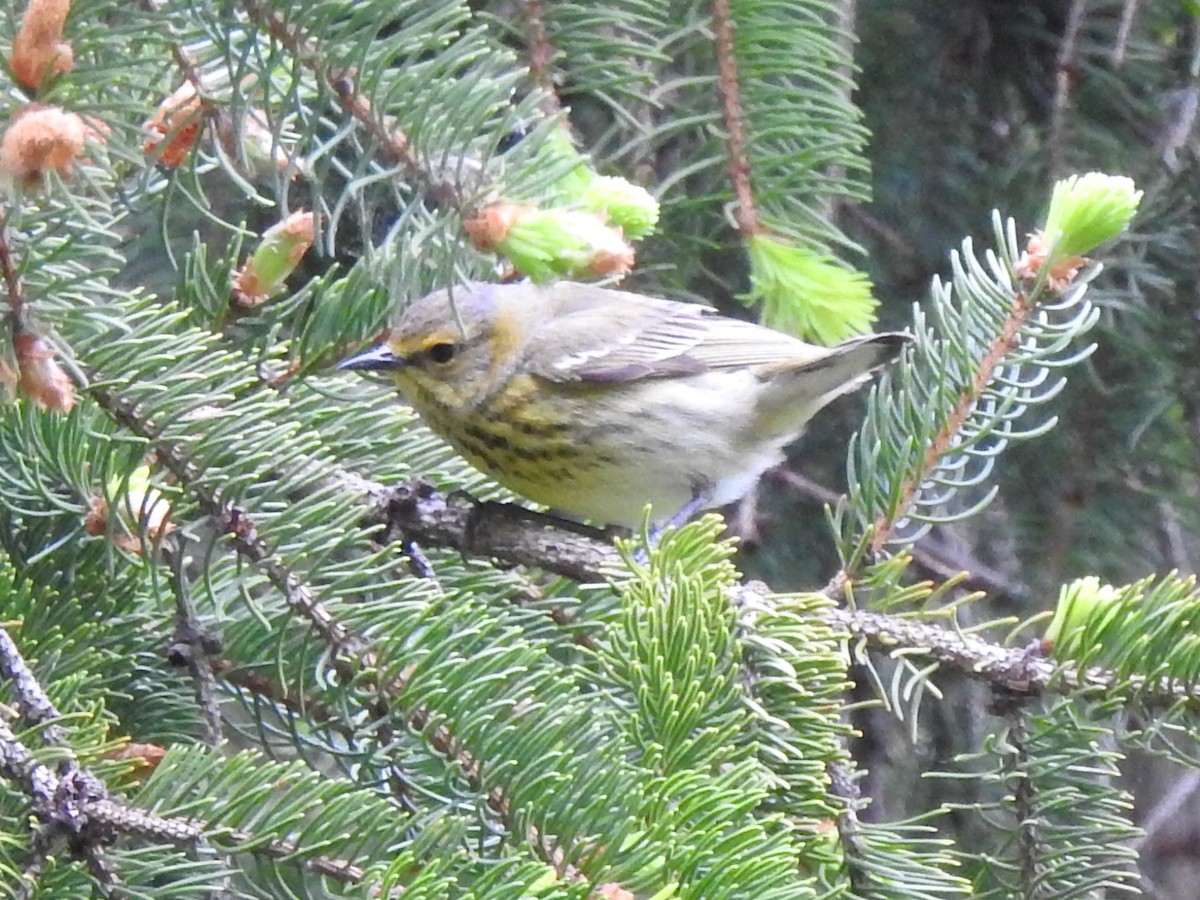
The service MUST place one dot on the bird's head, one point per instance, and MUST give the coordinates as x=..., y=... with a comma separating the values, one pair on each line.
x=452, y=348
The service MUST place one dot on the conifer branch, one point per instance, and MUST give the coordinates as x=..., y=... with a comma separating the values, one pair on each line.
x=69, y=808
x=1065, y=75
x=34, y=704
x=745, y=211
x=350, y=651
x=233, y=521
x=99, y=819
x=1025, y=812
x=358, y=106
x=1004, y=343
x=541, y=55
x=505, y=531
x=1129, y=10
x=937, y=559
x=76, y=804
x=193, y=643
x=312, y=709
x=516, y=535
x=183, y=60
x=843, y=784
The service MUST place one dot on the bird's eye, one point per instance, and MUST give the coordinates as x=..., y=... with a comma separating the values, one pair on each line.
x=443, y=352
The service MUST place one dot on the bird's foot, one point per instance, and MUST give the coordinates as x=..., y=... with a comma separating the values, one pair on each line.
x=655, y=532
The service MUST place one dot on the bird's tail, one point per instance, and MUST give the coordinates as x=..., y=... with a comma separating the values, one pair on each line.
x=795, y=392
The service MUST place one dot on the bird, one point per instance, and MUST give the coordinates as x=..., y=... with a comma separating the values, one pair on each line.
x=599, y=402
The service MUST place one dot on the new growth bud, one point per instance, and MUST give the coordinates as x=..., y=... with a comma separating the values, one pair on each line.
x=1078, y=603
x=545, y=243
x=266, y=272
x=627, y=205
x=38, y=51
x=41, y=139
x=40, y=377
x=175, y=127
x=1085, y=211
x=806, y=293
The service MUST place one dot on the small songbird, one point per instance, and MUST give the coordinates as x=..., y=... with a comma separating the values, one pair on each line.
x=597, y=402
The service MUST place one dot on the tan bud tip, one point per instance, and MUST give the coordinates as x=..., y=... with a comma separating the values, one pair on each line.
x=41, y=139
x=38, y=51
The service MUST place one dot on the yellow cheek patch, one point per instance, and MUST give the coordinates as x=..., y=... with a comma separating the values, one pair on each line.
x=505, y=339
x=424, y=392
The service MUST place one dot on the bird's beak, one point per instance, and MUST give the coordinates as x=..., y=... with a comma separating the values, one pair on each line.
x=380, y=358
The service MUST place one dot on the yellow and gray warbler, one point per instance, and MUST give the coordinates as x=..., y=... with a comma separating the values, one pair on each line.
x=596, y=402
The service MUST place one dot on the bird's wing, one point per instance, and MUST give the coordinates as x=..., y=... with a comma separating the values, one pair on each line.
x=602, y=335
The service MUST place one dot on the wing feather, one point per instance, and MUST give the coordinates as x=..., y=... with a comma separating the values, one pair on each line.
x=601, y=335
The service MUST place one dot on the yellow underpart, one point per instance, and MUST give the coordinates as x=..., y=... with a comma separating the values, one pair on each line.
x=517, y=436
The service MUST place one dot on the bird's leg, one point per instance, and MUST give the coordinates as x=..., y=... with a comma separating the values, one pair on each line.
x=700, y=500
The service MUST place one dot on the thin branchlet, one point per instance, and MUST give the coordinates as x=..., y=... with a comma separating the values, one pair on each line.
x=1003, y=344
x=745, y=212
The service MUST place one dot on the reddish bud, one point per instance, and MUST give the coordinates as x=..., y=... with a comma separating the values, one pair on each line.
x=142, y=511
x=95, y=522
x=146, y=755
x=175, y=127
x=545, y=243
x=41, y=139
x=612, y=891
x=283, y=246
x=42, y=379
x=143, y=757
x=615, y=260
x=38, y=50
x=488, y=227
x=1060, y=275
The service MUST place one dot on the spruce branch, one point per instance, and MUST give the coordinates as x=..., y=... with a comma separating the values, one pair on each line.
x=233, y=521
x=1029, y=840
x=990, y=351
x=1062, y=821
x=944, y=439
x=390, y=508
x=937, y=559
x=745, y=211
x=803, y=288
x=62, y=804
x=1129, y=9
x=312, y=709
x=1179, y=130
x=516, y=535
x=358, y=106
x=74, y=806
x=541, y=55
x=1065, y=74
x=183, y=59
x=77, y=805
x=843, y=784
x=505, y=531
x=194, y=645
x=350, y=651
x=35, y=706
